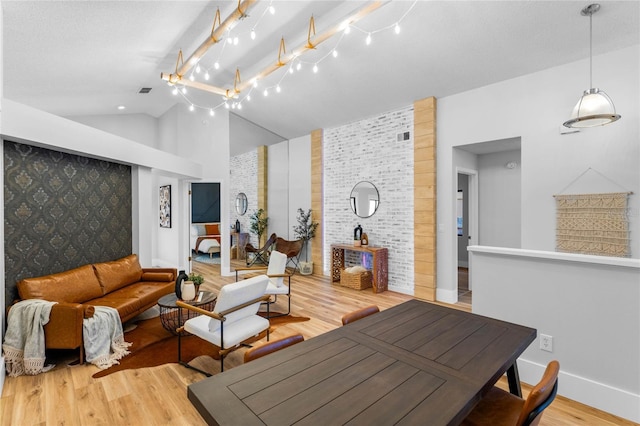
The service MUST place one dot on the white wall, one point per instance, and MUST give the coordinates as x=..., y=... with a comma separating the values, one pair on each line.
x=141, y=128
x=499, y=199
x=590, y=305
x=244, y=178
x=368, y=150
x=278, y=188
x=533, y=107
x=300, y=185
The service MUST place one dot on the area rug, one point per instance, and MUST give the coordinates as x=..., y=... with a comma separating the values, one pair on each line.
x=152, y=345
x=214, y=259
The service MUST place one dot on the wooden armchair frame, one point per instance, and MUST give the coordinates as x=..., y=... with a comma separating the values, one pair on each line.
x=221, y=316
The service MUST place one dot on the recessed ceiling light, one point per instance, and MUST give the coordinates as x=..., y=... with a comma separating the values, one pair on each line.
x=121, y=107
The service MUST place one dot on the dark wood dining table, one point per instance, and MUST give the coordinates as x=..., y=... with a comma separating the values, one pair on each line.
x=417, y=363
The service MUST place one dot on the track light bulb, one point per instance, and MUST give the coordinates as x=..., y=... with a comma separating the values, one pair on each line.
x=198, y=68
x=291, y=69
x=226, y=105
x=216, y=65
x=239, y=105
x=206, y=76
x=266, y=92
x=184, y=90
x=272, y=10
x=253, y=34
x=248, y=98
x=397, y=28
x=255, y=83
x=315, y=68
x=299, y=66
x=236, y=40
x=368, y=40
x=191, y=77
x=211, y=113
x=174, y=91
x=335, y=53
x=191, y=108
x=347, y=29
x=278, y=89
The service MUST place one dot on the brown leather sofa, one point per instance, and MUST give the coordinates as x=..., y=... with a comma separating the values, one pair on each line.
x=121, y=284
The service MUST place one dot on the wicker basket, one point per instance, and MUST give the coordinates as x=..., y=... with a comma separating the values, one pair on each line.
x=357, y=281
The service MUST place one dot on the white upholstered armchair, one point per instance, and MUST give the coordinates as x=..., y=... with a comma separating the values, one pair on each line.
x=233, y=320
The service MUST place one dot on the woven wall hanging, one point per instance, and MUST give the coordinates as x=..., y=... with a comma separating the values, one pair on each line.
x=593, y=224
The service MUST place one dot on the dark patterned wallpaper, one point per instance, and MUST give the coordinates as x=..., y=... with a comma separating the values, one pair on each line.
x=61, y=211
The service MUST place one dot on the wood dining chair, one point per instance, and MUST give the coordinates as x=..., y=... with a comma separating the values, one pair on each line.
x=500, y=408
x=359, y=314
x=273, y=346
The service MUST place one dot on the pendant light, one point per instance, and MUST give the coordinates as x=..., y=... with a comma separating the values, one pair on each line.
x=595, y=107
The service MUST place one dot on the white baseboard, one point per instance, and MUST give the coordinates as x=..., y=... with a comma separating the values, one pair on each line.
x=3, y=373
x=586, y=391
x=446, y=296
x=407, y=291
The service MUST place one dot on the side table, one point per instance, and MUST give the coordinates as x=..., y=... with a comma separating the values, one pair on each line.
x=170, y=315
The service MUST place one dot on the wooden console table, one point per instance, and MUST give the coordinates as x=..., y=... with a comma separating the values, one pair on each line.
x=241, y=239
x=380, y=263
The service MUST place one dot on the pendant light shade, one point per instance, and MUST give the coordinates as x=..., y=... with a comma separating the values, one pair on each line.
x=595, y=107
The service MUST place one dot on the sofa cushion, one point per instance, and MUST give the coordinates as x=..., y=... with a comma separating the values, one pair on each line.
x=118, y=273
x=147, y=293
x=74, y=286
x=157, y=276
x=127, y=308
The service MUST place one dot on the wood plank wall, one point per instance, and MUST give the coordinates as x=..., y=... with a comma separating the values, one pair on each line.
x=424, y=196
x=317, y=248
x=263, y=186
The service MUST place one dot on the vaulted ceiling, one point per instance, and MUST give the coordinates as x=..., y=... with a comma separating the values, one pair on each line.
x=74, y=58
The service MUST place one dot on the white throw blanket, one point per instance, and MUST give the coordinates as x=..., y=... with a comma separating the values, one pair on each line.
x=103, y=338
x=24, y=342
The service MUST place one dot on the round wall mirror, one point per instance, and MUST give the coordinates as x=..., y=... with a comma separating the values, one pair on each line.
x=364, y=199
x=241, y=203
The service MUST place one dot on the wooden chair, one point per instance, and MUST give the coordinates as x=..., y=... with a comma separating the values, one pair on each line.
x=291, y=249
x=259, y=254
x=234, y=318
x=273, y=346
x=276, y=271
x=359, y=314
x=499, y=407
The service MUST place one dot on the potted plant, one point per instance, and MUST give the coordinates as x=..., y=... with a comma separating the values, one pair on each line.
x=259, y=223
x=197, y=280
x=305, y=230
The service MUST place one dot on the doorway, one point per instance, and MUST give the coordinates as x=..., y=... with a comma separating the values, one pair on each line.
x=466, y=229
x=491, y=170
x=205, y=232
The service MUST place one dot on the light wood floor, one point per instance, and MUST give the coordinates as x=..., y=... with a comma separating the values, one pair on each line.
x=157, y=395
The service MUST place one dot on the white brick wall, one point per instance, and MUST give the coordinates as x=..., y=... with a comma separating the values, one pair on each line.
x=368, y=150
x=244, y=178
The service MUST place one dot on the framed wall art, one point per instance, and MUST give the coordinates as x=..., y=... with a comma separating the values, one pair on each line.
x=165, y=206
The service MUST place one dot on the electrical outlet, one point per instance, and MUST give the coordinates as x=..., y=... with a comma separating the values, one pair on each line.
x=546, y=342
